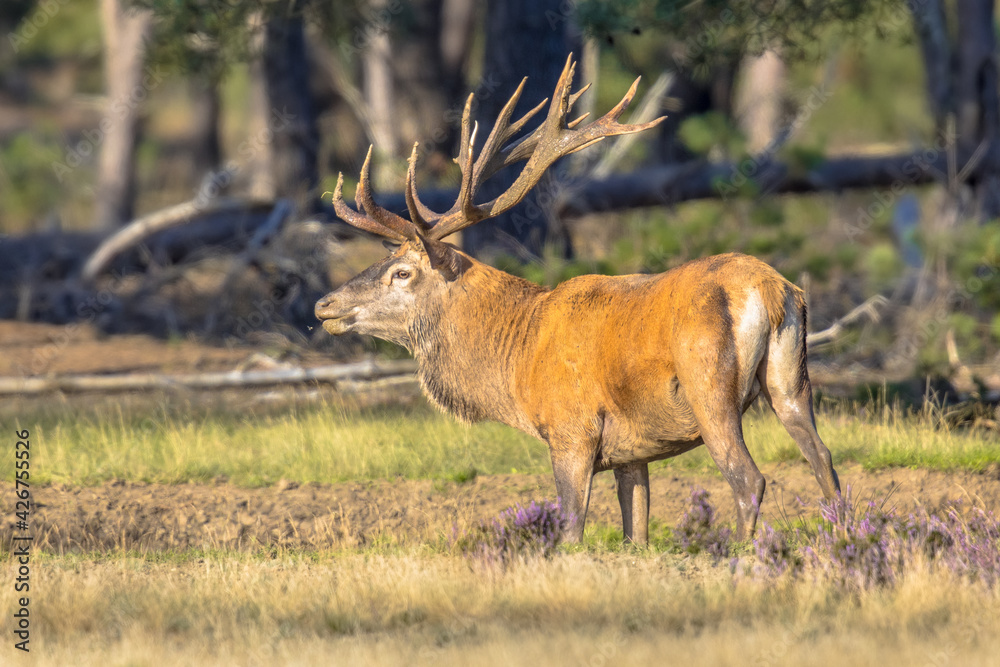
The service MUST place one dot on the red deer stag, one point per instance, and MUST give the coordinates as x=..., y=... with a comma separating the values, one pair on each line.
x=612, y=372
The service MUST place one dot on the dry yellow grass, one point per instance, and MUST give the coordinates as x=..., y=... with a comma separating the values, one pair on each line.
x=422, y=608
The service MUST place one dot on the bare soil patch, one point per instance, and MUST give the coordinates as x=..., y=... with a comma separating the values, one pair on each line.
x=48, y=349
x=155, y=517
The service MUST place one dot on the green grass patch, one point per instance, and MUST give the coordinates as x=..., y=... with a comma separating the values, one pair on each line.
x=332, y=443
x=317, y=445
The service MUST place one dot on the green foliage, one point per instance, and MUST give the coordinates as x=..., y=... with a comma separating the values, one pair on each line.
x=331, y=444
x=553, y=269
x=713, y=130
x=718, y=32
x=206, y=36
x=883, y=265
x=967, y=338
x=974, y=252
x=29, y=184
x=880, y=81
x=768, y=213
x=802, y=159
x=819, y=264
x=59, y=30
x=202, y=35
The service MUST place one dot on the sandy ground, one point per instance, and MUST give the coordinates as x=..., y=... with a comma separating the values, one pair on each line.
x=156, y=517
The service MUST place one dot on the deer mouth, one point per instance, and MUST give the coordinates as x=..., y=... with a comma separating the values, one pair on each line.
x=338, y=323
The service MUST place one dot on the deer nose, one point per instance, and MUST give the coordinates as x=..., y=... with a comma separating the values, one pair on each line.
x=323, y=307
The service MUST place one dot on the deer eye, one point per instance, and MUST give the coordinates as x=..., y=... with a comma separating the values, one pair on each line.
x=401, y=274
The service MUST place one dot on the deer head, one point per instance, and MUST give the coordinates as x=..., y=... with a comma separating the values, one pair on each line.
x=389, y=298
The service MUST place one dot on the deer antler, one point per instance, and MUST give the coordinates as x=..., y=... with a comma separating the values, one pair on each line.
x=553, y=139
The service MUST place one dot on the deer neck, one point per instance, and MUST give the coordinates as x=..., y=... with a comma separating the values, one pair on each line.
x=469, y=349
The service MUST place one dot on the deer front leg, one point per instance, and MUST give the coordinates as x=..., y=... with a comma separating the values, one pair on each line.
x=632, y=485
x=574, y=469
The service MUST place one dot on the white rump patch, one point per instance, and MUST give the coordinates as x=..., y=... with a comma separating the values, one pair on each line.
x=752, y=332
x=753, y=317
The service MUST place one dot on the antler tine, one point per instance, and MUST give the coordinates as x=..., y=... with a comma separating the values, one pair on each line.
x=573, y=123
x=491, y=158
x=523, y=120
x=619, y=108
x=469, y=185
x=577, y=95
x=557, y=113
x=497, y=159
x=501, y=132
x=385, y=218
x=560, y=98
x=526, y=145
x=420, y=215
x=607, y=125
x=463, y=148
x=555, y=141
x=554, y=138
x=355, y=219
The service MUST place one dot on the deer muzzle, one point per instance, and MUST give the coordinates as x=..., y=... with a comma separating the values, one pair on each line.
x=336, y=318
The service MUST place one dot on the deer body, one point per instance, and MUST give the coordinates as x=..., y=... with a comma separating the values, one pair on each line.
x=612, y=372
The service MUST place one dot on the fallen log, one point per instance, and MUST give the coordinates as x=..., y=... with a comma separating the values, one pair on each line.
x=868, y=309
x=143, y=228
x=363, y=370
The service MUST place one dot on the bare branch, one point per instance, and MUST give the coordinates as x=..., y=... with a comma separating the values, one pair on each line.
x=869, y=309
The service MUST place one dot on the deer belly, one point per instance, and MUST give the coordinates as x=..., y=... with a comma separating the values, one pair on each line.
x=626, y=441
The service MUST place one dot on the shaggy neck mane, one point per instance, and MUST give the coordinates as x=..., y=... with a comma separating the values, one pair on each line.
x=467, y=348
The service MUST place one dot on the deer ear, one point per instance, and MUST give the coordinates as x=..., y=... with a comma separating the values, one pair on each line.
x=444, y=258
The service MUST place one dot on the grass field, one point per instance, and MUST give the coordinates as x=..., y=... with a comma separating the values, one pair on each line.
x=333, y=443
x=380, y=603
x=590, y=608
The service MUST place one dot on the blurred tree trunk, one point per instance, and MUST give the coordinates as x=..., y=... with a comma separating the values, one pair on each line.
x=931, y=27
x=127, y=86
x=206, y=153
x=418, y=73
x=685, y=98
x=429, y=68
x=759, y=98
x=289, y=121
x=411, y=82
x=976, y=101
x=257, y=160
x=523, y=38
x=458, y=23
x=379, y=91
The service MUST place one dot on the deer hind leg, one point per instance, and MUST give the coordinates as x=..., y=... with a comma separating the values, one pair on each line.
x=632, y=485
x=710, y=377
x=722, y=432
x=784, y=382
